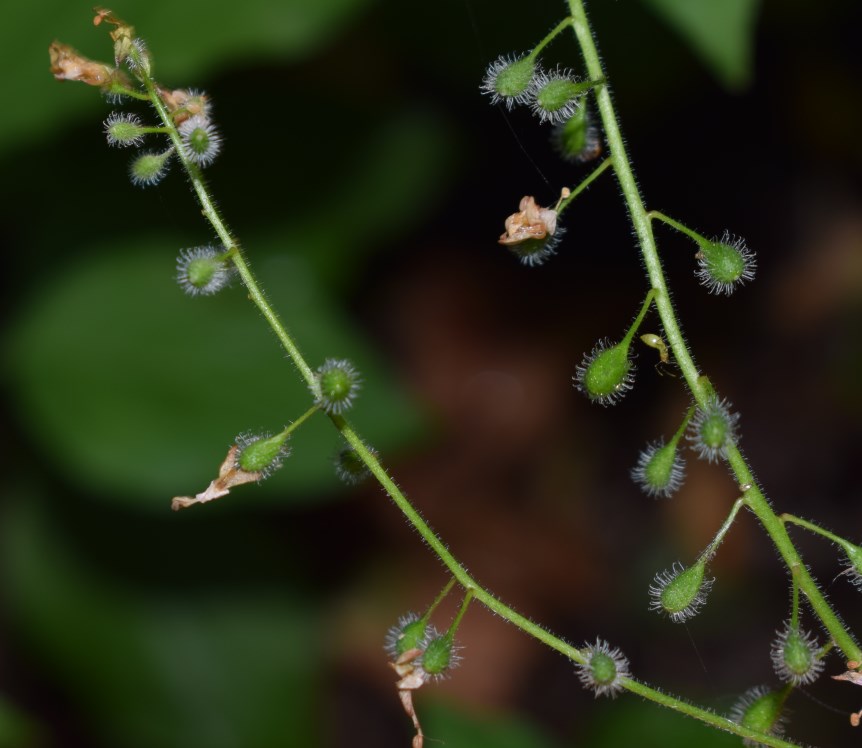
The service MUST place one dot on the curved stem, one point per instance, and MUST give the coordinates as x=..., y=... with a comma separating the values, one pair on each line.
x=754, y=497
x=681, y=227
x=592, y=177
x=640, y=318
x=817, y=530
x=212, y=215
x=369, y=458
x=536, y=51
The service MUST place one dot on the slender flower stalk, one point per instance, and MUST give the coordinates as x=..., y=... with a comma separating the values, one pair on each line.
x=754, y=497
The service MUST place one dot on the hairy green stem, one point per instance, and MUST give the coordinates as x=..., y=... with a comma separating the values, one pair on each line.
x=437, y=600
x=461, y=611
x=640, y=218
x=681, y=227
x=302, y=419
x=818, y=530
x=640, y=318
x=550, y=37
x=212, y=215
x=256, y=295
x=592, y=177
x=723, y=530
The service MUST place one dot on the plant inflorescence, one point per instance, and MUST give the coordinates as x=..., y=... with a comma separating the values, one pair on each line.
x=185, y=136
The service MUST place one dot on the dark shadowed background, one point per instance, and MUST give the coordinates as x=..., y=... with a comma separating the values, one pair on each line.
x=369, y=180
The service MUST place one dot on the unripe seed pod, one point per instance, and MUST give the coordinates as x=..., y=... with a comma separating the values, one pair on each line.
x=507, y=80
x=409, y=633
x=712, y=430
x=853, y=564
x=794, y=656
x=680, y=593
x=556, y=95
x=339, y=384
x=577, y=139
x=760, y=709
x=201, y=141
x=149, y=168
x=349, y=466
x=607, y=373
x=660, y=470
x=202, y=271
x=123, y=130
x=604, y=669
x=261, y=453
x=439, y=656
x=724, y=264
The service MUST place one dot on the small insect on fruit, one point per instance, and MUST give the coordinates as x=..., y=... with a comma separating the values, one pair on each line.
x=654, y=341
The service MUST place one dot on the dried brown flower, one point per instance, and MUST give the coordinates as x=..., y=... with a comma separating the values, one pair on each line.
x=412, y=676
x=530, y=222
x=229, y=475
x=68, y=65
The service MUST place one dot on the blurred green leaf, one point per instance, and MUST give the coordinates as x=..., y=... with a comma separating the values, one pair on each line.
x=457, y=728
x=392, y=180
x=721, y=32
x=188, y=40
x=230, y=671
x=137, y=391
x=16, y=729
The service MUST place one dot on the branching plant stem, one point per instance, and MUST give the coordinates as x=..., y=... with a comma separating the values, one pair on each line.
x=754, y=498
